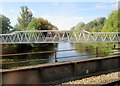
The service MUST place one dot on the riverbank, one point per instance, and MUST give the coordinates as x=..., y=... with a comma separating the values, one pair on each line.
x=7, y=49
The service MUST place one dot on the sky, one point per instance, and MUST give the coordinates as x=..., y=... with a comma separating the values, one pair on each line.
x=64, y=15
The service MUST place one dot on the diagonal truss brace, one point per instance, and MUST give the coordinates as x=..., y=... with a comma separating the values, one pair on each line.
x=57, y=36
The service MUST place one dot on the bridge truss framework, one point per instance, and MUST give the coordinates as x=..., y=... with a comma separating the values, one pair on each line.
x=56, y=36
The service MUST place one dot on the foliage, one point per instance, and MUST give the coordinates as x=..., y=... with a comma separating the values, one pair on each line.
x=25, y=18
x=40, y=24
x=111, y=24
x=79, y=26
x=93, y=26
x=104, y=49
x=34, y=24
x=5, y=26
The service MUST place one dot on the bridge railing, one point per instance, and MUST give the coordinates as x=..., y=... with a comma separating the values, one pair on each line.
x=55, y=55
x=55, y=36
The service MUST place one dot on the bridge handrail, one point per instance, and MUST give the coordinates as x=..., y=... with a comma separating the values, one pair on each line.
x=15, y=32
x=72, y=36
x=38, y=31
x=105, y=32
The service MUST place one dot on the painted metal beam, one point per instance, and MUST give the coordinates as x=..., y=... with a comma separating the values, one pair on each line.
x=57, y=36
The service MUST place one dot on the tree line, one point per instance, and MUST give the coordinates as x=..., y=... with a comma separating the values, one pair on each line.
x=26, y=21
x=101, y=24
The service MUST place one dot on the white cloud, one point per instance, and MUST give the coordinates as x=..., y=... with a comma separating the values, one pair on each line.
x=13, y=20
x=115, y=5
x=55, y=3
x=59, y=0
x=100, y=6
x=12, y=11
x=32, y=11
x=1, y=11
x=67, y=22
x=63, y=22
x=112, y=6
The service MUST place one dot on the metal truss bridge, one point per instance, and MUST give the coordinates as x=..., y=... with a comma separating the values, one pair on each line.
x=57, y=36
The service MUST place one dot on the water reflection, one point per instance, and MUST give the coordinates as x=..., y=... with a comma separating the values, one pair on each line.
x=86, y=51
x=65, y=46
x=30, y=59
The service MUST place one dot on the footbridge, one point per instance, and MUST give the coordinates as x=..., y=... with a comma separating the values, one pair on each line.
x=56, y=36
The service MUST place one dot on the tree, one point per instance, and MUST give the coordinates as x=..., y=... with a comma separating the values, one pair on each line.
x=40, y=24
x=5, y=26
x=112, y=24
x=34, y=24
x=95, y=25
x=79, y=26
x=25, y=18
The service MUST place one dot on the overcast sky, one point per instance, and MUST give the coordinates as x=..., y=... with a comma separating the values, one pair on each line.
x=64, y=15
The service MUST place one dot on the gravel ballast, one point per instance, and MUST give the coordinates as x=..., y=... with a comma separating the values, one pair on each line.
x=100, y=79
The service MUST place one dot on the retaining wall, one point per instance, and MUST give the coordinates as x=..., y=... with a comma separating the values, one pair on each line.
x=60, y=72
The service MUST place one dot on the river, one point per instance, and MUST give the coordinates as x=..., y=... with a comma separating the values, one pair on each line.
x=81, y=54
x=65, y=46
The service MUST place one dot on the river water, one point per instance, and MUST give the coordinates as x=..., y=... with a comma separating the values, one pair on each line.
x=65, y=46
x=64, y=55
x=61, y=56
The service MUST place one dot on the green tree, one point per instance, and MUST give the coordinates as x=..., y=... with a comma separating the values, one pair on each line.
x=5, y=26
x=25, y=18
x=111, y=24
x=95, y=25
x=79, y=26
x=40, y=24
x=34, y=24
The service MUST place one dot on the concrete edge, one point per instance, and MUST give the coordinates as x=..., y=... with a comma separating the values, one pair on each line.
x=56, y=64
